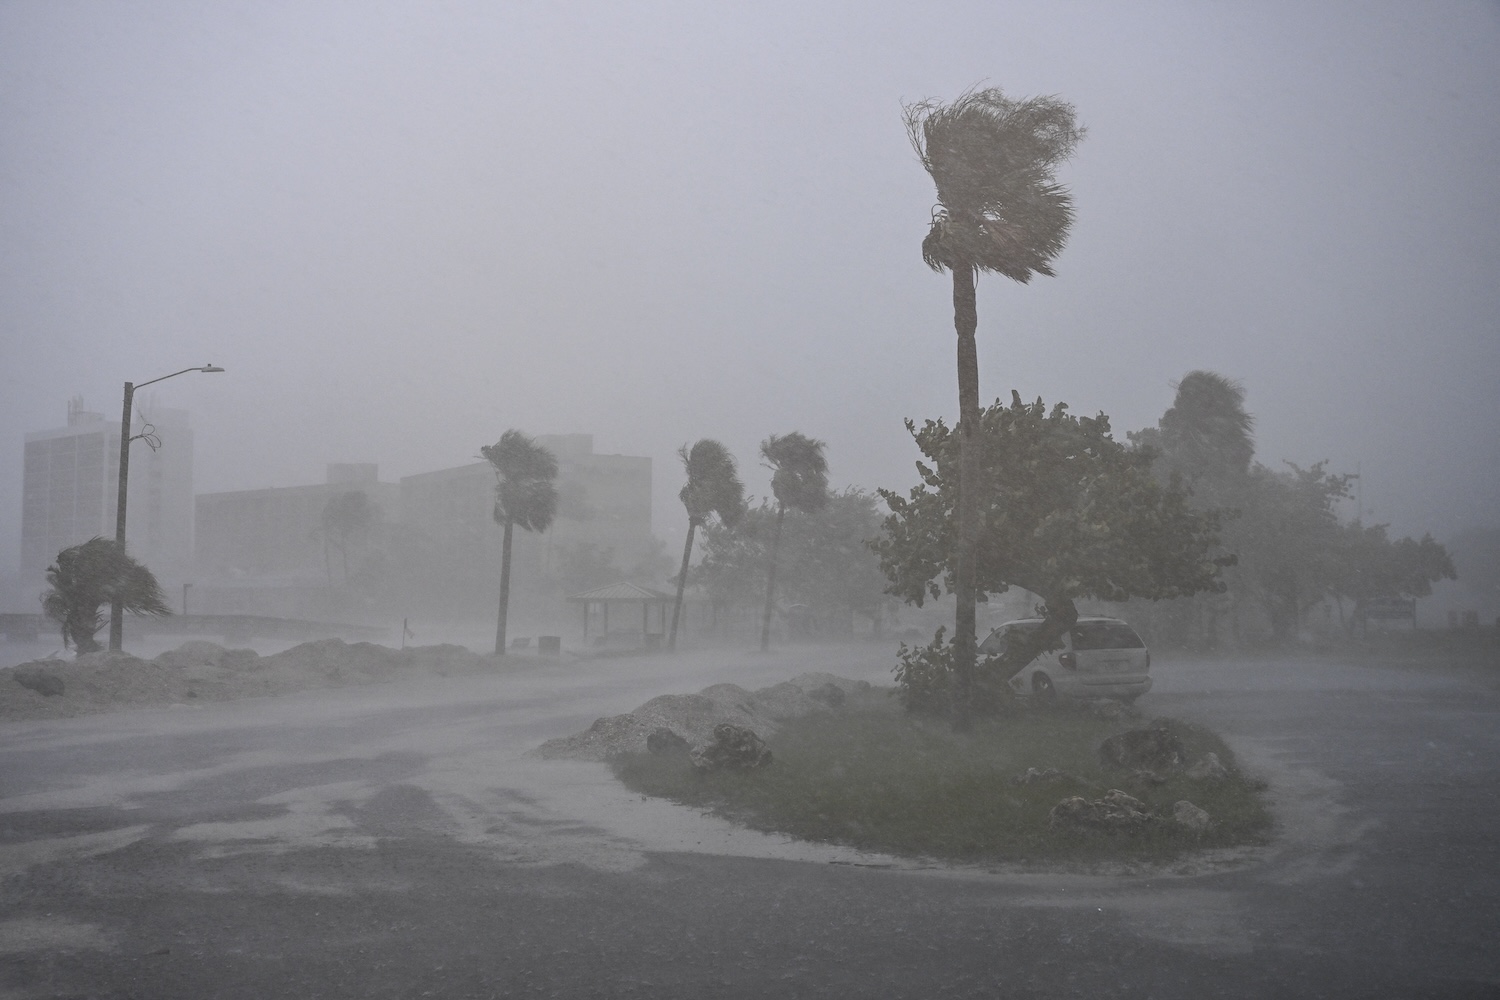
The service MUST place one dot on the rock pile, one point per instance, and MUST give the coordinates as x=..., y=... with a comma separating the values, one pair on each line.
x=200, y=671
x=734, y=748
x=1119, y=812
x=693, y=717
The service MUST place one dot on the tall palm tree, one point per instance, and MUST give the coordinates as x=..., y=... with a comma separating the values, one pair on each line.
x=87, y=577
x=799, y=480
x=998, y=209
x=525, y=496
x=713, y=487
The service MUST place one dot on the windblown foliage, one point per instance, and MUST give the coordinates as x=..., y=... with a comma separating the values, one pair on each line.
x=525, y=496
x=1066, y=512
x=90, y=576
x=992, y=160
x=713, y=487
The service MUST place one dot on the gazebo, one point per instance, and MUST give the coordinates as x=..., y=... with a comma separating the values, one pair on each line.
x=626, y=598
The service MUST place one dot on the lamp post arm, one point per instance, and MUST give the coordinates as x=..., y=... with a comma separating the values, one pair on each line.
x=195, y=368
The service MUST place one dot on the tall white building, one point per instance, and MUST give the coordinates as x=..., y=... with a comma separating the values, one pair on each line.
x=70, y=484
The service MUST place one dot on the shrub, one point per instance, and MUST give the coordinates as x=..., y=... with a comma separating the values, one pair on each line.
x=925, y=681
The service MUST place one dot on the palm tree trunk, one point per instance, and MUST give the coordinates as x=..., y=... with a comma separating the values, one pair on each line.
x=765, y=621
x=504, y=588
x=965, y=320
x=687, y=552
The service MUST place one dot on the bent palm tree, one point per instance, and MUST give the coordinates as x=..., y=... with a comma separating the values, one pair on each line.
x=800, y=481
x=1206, y=432
x=999, y=209
x=525, y=495
x=713, y=487
x=89, y=576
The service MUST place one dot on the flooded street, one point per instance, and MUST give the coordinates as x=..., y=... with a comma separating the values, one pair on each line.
x=396, y=841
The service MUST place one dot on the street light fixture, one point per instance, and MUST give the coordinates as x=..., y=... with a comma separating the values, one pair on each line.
x=116, y=606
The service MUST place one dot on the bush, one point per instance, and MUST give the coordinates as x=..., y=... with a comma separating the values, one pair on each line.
x=925, y=680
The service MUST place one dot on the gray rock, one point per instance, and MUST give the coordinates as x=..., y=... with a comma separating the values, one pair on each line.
x=662, y=740
x=733, y=748
x=1208, y=768
x=1185, y=814
x=1154, y=749
x=1113, y=813
x=43, y=682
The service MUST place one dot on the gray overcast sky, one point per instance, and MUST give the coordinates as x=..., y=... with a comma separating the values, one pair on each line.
x=405, y=227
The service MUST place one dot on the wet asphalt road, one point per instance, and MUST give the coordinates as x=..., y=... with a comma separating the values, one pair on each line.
x=395, y=843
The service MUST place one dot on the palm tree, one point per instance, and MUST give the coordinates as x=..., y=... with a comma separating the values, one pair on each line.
x=525, y=495
x=713, y=487
x=998, y=209
x=799, y=480
x=90, y=576
x=1206, y=435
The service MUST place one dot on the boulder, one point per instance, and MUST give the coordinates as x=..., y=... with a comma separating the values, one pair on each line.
x=662, y=740
x=1208, y=768
x=829, y=694
x=1154, y=749
x=1114, y=812
x=1185, y=814
x=43, y=682
x=733, y=748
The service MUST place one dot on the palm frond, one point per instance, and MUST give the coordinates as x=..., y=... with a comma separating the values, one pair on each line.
x=992, y=160
x=525, y=491
x=799, y=476
x=713, y=484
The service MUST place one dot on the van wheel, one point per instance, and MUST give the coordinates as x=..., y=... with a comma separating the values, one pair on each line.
x=1041, y=686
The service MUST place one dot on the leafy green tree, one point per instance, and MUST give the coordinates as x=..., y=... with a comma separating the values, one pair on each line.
x=1205, y=438
x=346, y=520
x=1289, y=542
x=525, y=496
x=799, y=480
x=1476, y=555
x=713, y=487
x=1066, y=512
x=999, y=209
x=1206, y=433
x=1374, y=566
x=91, y=576
x=824, y=563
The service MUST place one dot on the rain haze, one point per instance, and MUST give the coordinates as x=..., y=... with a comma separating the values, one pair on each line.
x=404, y=228
x=389, y=233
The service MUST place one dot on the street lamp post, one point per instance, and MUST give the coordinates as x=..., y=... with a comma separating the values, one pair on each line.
x=116, y=606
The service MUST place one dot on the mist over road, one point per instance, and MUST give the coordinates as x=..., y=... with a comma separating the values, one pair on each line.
x=395, y=841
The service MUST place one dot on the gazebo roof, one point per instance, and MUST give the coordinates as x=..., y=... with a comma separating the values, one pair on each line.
x=623, y=592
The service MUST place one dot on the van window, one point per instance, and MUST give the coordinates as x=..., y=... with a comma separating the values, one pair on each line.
x=1105, y=635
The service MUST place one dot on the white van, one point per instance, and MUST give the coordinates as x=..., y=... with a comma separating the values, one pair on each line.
x=1100, y=658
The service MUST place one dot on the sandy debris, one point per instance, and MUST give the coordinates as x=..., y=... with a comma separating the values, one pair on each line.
x=693, y=716
x=200, y=671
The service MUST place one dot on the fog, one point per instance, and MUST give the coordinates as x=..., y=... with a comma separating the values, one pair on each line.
x=403, y=228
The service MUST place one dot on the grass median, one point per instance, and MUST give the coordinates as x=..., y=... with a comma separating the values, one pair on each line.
x=873, y=777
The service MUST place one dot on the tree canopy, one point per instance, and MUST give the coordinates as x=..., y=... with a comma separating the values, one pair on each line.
x=992, y=159
x=1066, y=512
x=827, y=566
x=713, y=487
x=525, y=488
x=90, y=576
x=525, y=496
